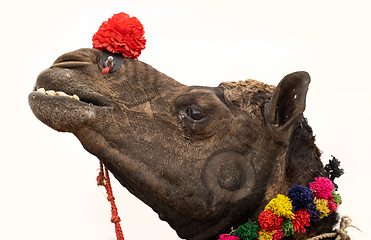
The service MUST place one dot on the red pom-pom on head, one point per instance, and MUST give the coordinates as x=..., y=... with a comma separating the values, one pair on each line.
x=121, y=34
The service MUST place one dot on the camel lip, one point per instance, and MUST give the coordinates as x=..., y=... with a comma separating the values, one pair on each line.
x=62, y=113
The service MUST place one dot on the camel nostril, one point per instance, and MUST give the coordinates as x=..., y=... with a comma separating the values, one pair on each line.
x=70, y=64
x=71, y=60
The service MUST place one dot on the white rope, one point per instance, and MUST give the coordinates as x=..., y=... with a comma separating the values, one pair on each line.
x=341, y=233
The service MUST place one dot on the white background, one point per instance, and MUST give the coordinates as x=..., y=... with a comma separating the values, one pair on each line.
x=48, y=180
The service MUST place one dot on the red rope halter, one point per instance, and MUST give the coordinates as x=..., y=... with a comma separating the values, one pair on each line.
x=103, y=180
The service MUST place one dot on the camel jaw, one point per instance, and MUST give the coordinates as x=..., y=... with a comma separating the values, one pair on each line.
x=63, y=107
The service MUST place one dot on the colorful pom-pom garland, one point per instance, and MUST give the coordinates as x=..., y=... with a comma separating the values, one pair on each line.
x=284, y=216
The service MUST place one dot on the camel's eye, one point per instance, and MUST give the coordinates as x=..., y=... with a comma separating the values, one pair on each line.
x=200, y=112
x=195, y=114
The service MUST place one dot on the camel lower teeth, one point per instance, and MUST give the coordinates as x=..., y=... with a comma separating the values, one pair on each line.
x=58, y=93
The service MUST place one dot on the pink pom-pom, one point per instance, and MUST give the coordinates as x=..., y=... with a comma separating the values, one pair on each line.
x=331, y=205
x=227, y=237
x=278, y=234
x=322, y=188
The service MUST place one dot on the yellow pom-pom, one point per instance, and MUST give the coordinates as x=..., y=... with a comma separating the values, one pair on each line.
x=265, y=235
x=281, y=206
x=322, y=207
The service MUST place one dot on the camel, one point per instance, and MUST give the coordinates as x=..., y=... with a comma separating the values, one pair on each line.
x=204, y=158
x=207, y=160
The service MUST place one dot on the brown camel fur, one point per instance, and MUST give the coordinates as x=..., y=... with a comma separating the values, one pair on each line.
x=204, y=158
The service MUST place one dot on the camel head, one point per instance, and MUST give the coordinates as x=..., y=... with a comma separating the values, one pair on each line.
x=204, y=158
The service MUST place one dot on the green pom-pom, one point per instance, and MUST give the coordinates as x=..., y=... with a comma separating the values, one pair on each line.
x=287, y=228
x=336, y=197
x=247, y=231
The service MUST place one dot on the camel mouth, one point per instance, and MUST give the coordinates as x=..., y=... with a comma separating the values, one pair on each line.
x=66, y=112
x=57, y=93
x=92, y=99
x=57, y=83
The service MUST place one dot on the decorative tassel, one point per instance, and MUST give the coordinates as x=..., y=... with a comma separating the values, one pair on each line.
x=322, y=188
x=265, y=235
x=336, y=198
x=288, y=228
x=322, y=207
x=281, y=206
x=331, y=205
x=227, y=237
x=284, y=216
x=313, y=212
x=333, y=169
x=301, y=220
x=300, y=196
x=247, y=231
x=270, y=221
x=278, y=234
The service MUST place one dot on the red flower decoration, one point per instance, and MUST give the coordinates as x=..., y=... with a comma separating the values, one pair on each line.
x=270, y=221
x=301, y=220
x=121, y=34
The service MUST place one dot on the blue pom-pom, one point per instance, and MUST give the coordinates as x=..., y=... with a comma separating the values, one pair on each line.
x=300, y=196
x=313, y=212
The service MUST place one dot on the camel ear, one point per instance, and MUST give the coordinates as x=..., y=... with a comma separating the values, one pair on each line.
x=286, y=105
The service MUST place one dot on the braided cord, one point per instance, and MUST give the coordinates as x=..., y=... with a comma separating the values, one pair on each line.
x=104, y=180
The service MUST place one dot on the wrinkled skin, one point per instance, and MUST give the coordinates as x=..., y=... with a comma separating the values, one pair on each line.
x=201, y=157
